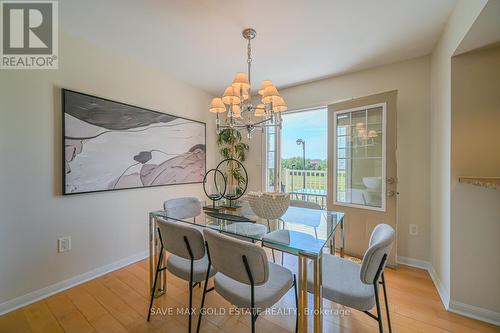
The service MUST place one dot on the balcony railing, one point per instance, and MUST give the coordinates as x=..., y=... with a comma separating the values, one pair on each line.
x=306, y=185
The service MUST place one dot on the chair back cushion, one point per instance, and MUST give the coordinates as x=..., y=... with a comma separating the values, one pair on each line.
x=305, y=204
x=227, y=254
x=172, y=236
x=381, y=242
x=183, y=208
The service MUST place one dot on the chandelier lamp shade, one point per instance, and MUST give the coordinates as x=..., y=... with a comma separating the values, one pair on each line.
x=236, y=102
x=217, y=106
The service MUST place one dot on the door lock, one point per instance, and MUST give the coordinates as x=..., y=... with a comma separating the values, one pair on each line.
x=390, y=180
x=390, y=193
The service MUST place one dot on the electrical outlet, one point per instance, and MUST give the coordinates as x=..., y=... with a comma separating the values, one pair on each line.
x=64, y=244
x=413, y=229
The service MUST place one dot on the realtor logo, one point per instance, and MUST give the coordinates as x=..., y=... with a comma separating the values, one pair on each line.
x=29, y=38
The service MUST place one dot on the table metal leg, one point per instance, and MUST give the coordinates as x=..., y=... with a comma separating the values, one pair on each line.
x=162, y=288
x=332, y=244
x=318, y=295
x=151, y=251
x=343, y=238
x=302, y=286
x=154, y=251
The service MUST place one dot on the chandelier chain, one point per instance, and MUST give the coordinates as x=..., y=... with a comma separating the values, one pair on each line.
x=249, y=59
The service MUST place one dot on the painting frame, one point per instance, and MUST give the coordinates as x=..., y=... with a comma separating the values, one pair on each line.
x=64, y=92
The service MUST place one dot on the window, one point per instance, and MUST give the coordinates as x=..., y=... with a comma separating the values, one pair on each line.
x=360, y=157
x=295, y=155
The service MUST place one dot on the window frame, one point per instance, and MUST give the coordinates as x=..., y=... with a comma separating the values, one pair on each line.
x=277, y=159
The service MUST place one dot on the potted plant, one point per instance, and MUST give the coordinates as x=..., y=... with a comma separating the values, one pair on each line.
x=231, y=146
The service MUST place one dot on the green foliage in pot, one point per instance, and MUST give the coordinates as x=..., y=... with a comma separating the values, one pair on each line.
x=231, y=146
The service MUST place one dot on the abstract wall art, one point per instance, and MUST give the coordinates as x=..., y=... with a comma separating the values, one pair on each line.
x=109, y=145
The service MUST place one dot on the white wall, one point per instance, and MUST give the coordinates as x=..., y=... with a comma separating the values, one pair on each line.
x=105, y=227
x=475, y=151
x=411, y=79
x=460, y=21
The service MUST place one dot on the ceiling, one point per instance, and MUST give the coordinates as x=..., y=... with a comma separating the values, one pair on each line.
x=297, y=41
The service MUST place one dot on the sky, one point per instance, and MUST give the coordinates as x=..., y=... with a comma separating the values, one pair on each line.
x=311, y=126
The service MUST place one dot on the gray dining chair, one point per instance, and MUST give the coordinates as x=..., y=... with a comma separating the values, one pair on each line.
x=245, y=277
x=188, y=259
x=357, y=285
x=183, y=208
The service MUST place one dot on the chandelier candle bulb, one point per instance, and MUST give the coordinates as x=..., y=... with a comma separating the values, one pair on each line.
x=245, y=94
x=236, y=111
x=260, y=110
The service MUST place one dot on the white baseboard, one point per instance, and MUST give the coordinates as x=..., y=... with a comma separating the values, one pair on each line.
x=40, y=294
x=475, y=312
x=450, y=305
x=417, y=263
x=443, y=292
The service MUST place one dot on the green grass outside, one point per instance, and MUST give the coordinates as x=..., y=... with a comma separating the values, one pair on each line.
x=315, y=182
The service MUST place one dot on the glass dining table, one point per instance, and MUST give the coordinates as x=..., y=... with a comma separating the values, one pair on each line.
x=303, y=232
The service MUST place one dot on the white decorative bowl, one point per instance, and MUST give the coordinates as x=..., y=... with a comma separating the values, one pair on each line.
x=268, y=205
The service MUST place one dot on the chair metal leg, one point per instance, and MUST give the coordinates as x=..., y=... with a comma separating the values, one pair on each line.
x=188, y=247
x=160, y=259
x=379, y=313
x=252, y=292
x=203, y=298
x=190, y=295
x=296, y=303
x=386, y=304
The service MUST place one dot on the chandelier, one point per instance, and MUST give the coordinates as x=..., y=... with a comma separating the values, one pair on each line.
x=236, y=100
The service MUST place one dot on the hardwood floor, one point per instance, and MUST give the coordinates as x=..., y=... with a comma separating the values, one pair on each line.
x=118, y=302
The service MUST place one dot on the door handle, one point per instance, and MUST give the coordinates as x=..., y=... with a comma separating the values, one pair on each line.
x=390, y=193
